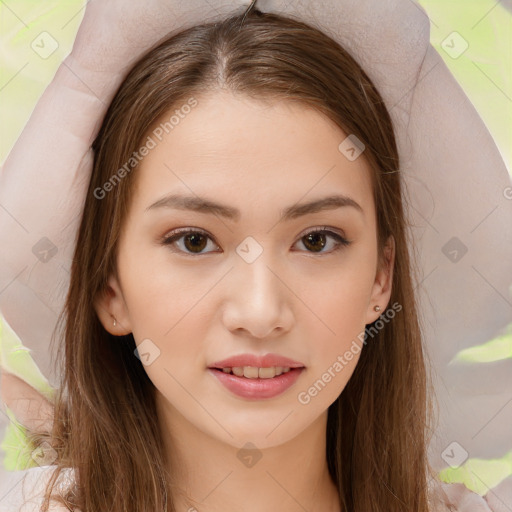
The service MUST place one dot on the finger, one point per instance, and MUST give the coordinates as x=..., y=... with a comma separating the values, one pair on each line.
x=457, y=497
x=499, y=498
x=30, y=407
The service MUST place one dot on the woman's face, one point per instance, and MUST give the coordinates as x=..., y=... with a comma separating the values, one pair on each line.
x=251, y=279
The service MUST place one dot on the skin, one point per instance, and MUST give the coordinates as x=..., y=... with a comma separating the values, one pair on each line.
x=310, y=306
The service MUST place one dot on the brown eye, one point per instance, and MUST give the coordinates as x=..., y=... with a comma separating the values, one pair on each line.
x=316, y=240
x=194, y=241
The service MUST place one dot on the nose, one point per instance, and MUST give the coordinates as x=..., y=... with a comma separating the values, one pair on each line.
x=258, y=300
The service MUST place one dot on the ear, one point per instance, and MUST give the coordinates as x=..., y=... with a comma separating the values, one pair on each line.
x=109, y=305
x=381, y=291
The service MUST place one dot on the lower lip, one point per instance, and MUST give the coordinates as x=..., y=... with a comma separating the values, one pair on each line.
x=257, y=388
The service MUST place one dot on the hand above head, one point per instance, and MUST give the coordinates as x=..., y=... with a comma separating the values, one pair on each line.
x=44, y=179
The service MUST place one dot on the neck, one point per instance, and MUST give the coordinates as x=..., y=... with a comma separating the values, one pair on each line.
x=210, y=475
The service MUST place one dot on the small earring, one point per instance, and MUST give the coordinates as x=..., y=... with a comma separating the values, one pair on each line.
x=115, y=322
x=377, y=308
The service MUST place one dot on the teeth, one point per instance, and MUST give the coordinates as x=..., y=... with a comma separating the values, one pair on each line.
x=238, y=371
x=252, y=372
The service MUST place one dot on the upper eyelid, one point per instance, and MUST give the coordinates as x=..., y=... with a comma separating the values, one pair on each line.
x=180, y=232
x=193, y=229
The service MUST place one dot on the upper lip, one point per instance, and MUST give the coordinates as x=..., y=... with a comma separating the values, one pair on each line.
x=266, y=361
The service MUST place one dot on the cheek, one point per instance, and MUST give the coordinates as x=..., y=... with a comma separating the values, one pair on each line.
x=335, y=324
x=335, y=343
x=338, y=296
x=163, y=302
x=167, y=315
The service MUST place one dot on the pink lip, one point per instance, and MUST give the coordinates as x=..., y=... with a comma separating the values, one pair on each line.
x=257, y=389
x=265, y=361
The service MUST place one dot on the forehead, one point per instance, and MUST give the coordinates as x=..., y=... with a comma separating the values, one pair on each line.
x=237, y=149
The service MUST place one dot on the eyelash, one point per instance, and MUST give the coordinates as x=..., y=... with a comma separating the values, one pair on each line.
x=180, y=233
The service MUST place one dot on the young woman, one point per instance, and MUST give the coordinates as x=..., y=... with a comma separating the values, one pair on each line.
x=241, y=327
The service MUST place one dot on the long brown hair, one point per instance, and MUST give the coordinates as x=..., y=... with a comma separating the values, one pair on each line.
x=105, y=414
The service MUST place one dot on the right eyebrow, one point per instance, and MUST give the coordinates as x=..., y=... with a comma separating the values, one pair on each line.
x=204, y=205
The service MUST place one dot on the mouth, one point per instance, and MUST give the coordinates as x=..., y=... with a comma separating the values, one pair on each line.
x=254, y=372
x=255, y=376
x=254, y=366
x=255, y=383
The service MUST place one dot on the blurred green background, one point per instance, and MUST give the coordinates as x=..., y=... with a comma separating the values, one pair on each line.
x=484, y=71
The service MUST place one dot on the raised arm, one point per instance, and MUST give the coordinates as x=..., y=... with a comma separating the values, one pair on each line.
x=44, y=179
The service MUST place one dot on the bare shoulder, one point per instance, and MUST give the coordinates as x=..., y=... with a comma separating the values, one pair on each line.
x=455, y=498
x=23, y=491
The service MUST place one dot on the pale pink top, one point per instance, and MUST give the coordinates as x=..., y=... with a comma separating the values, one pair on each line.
x=23, y=492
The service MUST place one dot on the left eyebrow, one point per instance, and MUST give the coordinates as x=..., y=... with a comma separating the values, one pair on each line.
x=203, y=205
